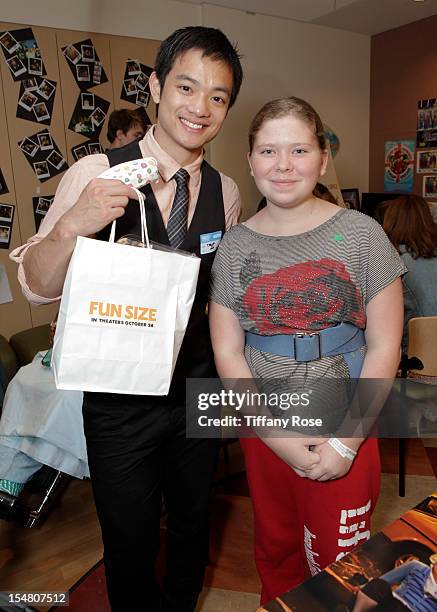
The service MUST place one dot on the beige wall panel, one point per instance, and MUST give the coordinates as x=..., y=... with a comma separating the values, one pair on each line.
x=122, y=49
x=26, y=183
x=70, y=89
x=14, y=315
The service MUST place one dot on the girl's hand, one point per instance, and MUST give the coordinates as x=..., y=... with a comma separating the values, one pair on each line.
x=332, y=465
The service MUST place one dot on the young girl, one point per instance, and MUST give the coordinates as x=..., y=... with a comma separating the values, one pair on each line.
x=299, y=266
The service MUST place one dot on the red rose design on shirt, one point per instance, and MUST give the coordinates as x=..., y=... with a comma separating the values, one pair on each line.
x=307, y=296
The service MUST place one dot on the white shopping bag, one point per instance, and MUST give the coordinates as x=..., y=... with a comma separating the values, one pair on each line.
x=123, y=315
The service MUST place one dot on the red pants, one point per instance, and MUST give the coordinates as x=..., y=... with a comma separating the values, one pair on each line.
x=302, y=525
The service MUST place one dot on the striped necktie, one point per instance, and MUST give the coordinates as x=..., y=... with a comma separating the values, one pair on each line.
x=177, y=223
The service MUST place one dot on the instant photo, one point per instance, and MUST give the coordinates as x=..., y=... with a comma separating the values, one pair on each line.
x=429, y=187
x=7, y=213
x=426, y=161
x=27, y=100
x=8, y=42
x=79, y=151
x=56, y=160
x=87, y=101
x=41, y=112
x=46, y=89
x=135, y=82
x=16, y=66
x=29, y=84
x=95, y=147
x=5, y=236
x=22, y=54
x=45, y=141
x=41, y=169
x=142, y=98
x=84, y=63
x=28, y=147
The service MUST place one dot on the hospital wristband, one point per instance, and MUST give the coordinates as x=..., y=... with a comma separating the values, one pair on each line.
x=342, y=449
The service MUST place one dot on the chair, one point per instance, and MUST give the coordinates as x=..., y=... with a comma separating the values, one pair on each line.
x=420, y=365
x=32, y=505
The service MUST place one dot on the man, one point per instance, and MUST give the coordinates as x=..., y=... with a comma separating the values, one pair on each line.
x=137, y=448
x=125, y=126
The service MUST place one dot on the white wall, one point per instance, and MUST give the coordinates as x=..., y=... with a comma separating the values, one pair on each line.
x=143, y=18
x=330, y=68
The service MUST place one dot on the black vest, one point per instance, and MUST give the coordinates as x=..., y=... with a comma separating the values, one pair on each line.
x=196, y=357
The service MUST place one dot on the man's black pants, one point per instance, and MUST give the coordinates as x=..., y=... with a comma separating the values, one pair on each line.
x=137, y=453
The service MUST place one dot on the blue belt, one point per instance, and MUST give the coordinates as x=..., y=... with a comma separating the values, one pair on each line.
x=343, y=338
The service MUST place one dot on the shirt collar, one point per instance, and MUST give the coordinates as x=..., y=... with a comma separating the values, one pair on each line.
x=166, y=164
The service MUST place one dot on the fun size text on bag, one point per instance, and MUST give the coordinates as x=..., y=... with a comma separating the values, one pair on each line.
x=127, y=312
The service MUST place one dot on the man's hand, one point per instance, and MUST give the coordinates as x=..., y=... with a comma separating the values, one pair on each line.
x=102, y=201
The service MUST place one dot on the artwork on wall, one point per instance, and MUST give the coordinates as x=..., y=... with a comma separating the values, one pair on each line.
x=6, y=221
x=41, y=206
x=35, y=100
x=43, y=155
x=426, y=161
x=3, y=186
x=399, y=166
x=22, y=54
x=351, y=197
x=86, y=148
x=135, y=86
x=84, y=63
x=429, y=187
x=89, y=115
x=427, y=123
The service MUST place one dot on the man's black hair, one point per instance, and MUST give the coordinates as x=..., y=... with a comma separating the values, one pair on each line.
x=211, y=41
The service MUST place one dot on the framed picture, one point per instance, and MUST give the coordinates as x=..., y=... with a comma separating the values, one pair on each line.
x=351, y=198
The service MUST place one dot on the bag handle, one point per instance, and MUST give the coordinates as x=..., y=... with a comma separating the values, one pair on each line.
x=144, y=232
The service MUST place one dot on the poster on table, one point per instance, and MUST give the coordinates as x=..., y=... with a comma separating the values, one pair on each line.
x=135, y=86
x=22, y=54
x=84, y=63
x=41, y=206
x=43, y=155
x=427, y=123
x=35, y=100
x=89, y=115
x=86, y=148
x=3, y=186
x=6, y=222
x=426, y=161
x=407, y=543
x=399, y=166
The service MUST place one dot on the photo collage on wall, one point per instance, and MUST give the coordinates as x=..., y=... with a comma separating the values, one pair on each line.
x=84, y=63
x=89, y=115
x=86, y=148
x=22, y=54
x=427, y=138
x=6, y=221
x=41, y=206
x=135, y=86
x=90, y=110
x=36, y=99
x=43, y=155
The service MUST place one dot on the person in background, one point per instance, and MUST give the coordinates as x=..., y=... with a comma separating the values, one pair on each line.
x=124, y=126
x=408, y=222
x=137, y=447
x=300, y=270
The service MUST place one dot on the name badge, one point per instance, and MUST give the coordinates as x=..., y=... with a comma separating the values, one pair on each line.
x=209, y=242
